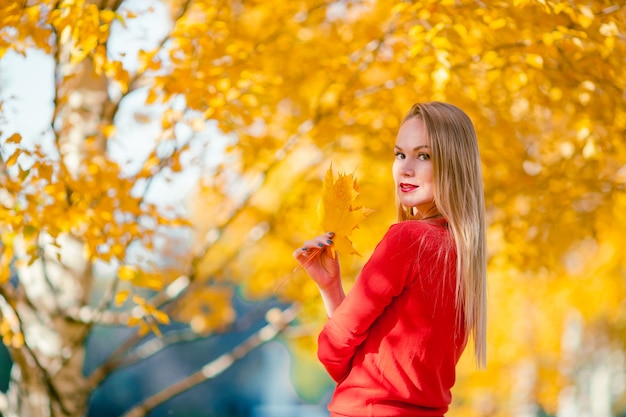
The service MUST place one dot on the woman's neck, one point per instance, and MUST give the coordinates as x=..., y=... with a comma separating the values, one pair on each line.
x=430, y=212
x=432, y=216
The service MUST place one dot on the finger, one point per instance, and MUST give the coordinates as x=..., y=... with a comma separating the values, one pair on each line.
x=323, y=241
x=313, y=246
x=306, y=251
x=299, y=253
x=318, y=242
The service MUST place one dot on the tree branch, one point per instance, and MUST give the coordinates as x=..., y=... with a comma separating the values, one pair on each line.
x=117, y=359
x=25, y=357
x=105, y=317
x=58, y=77
x=277, y=322
x=114, y=108
x=156, y=345
x=95, y=315
x=108, y=113
x=102, y=315
x=135, y=78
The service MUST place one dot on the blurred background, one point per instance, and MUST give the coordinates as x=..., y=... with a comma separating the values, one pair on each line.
x=161, y=160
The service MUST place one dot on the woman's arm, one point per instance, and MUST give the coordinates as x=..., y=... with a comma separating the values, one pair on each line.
x=382, y=278
x=332, y=297
x=320, y=261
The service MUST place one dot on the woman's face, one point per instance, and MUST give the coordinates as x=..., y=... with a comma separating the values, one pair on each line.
x=413, y=168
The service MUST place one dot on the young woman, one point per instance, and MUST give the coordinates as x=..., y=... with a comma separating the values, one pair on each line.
x=392, y=344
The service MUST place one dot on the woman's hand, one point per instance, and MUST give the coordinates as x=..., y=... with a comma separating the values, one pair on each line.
x=316, y=257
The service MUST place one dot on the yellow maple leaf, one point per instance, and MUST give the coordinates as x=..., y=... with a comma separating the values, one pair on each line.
x=337, y=210
x=338, y=214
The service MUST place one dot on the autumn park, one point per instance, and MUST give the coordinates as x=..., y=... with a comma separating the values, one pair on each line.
x=160, y=160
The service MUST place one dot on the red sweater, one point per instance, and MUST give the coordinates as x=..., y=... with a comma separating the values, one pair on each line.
x=394, y=342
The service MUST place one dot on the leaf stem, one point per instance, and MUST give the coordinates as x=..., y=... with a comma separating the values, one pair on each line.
x=315, y=252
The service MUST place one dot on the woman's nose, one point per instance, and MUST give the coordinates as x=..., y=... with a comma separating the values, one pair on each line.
x=406, y=170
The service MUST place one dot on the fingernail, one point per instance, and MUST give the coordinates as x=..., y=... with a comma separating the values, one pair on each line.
x=320, y=245
x=330, y=242
x=331, y=233
x=303, y=248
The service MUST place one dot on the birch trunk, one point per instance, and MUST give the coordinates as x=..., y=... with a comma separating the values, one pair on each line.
x=47, y=376
x=48, y=383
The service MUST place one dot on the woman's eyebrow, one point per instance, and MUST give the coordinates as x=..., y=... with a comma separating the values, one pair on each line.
x=417, y=148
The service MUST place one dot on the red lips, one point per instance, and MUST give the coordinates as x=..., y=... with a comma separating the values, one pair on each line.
x=406, y=188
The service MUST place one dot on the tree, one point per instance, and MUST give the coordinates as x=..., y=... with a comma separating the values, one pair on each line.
x=292, y=86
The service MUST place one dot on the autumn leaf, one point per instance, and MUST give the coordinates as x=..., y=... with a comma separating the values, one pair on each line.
x=121, y=297
x=126, y=273
x=338, y=211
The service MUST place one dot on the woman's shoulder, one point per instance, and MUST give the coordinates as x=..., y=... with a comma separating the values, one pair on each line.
x=412, y=231
x=439, y=226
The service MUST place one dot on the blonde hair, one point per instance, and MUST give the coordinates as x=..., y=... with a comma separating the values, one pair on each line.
x=458, y=194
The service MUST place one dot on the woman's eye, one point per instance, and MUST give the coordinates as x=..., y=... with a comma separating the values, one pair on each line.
x=400, y=155
x=423, y=157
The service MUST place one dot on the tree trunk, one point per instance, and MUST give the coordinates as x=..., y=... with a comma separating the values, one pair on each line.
x=47, y=377
x=48, y=384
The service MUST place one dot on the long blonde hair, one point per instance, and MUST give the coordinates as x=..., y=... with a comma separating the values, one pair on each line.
x=458, y=193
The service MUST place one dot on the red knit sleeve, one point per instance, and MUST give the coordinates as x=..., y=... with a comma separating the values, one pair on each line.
x=383, y=277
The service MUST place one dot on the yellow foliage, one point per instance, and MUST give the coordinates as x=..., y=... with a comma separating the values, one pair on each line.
x=121, y=297
x=298, y=83
x=10, y=333
x=149, y=317
x=338, y=211
x=126, y=273
x=208, y=310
